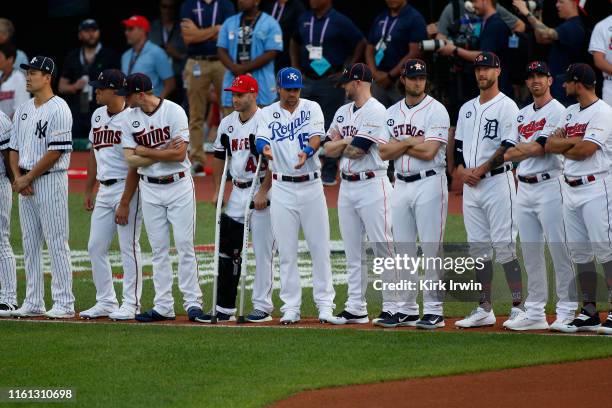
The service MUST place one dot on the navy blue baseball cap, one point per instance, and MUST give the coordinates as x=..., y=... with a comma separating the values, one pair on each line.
x=538, y=67
x=582, y=73
x=289, y=78
x=487, y=59
x=136, y=83
x=414, y=68
x=40, y=63
x=355, y=72
x=88, y=24
x=110, y=79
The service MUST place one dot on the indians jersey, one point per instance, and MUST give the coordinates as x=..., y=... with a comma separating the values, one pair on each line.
x=429, y=119
x=155, y=130
x=105, y=137
x=532, y=123
x=593, y=123
x=367, y=122
x=243, y=163
x=601, y=41
x=5, y=137
x=288, y=133
x=39, y=130
x=484, y=127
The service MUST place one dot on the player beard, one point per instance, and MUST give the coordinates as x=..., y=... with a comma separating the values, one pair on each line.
x=485, y=83
x=415, y=93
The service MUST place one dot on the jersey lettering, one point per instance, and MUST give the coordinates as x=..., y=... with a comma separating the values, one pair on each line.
x=281, y=132
x=105, y=137
x=153, y=138
x=531, y=128
x=577, y=130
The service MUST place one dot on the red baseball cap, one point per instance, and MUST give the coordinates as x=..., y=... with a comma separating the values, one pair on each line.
x=244, y=84
x=138, y=21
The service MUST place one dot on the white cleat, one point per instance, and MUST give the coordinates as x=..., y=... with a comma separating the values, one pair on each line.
x=525, y=323
x=325, y=316
x=478, y=318
x=349, y=318
x=516, y=313
x=123, y=313
x=290, y=317
x=97, y=311
x=59, y=314
x=563, y=325
x=25, y=312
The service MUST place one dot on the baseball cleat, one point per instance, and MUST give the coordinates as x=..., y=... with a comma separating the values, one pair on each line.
x=398, y=320
x=97, y=311
x=194, y=312
x=478, y=318
x=152, y=316
x=562, y=325
x=123, y=313
x=258, y=316
x=584, y=322
x=516, y=313
x=348, y=318
x=221, y=317
x=383, y=315
x=430, y=321
x=325, y=316
x=25, y=312
x=606, y=327
x=6, y=309
x=290, y=317
x=526, y=323
x=56, y=313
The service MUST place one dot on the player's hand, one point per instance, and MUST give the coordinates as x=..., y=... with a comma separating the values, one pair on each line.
x=559, y=133
x=27, y=191
x=447, y=50
x=267, y=152
x=140, y=150
x=302, y=156
x=122, y=213
x=521, y=6
x=260, y=200
x=175, y=143
x=80, y=85
x=470, y=178
x=432, y=29
x=334, y=134
x=88, y=202
x=20, y=183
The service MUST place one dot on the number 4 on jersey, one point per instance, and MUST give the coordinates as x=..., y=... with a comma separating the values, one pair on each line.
x=251, y=165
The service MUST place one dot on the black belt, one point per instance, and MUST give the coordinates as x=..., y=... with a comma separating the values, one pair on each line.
x=246, y=184
x=357, y=177
x=204, y=57
x=580, y=181
x=499, y=170
x=163, y=180
x=534, y=179
x=25, y=171
x=296, y=179
x=415, y=177
x=109, y=182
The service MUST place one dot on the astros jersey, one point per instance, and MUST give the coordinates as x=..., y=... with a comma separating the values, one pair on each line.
x=39, y=130
x=243, y=163
x=367, y=122
x=5, y=137
x=428, y=119
x=105, y=137
x=288, y=133
x=483, y=128
x=594, y=124
x=155, y=130
x=532, y=124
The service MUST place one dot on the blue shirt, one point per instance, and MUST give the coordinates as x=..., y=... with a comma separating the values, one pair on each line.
x=407, y=27
x=267, y=36
x=151, y=61
x=568, y=48
x=494, y=38
x=341, y=38
x=202, y=15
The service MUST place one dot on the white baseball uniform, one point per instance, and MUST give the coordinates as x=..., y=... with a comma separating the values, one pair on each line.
x=419, y=207
x=13, y=92
x=295, y=204
x=165, y=205
x=601, y=41
x=539, y=213
x=489, y=208
x=364, y=202
x=8, y=277
x=242, y=167
x=105, y=136
x=44, y=215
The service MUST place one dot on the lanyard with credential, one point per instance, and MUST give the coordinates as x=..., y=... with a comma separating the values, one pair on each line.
x=134, y=59
x=312, y=20
x=280, y=13
x=214, y=16
x=384, y=30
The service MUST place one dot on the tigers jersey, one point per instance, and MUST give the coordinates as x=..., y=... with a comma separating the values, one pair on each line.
x=37, y=130
x=367, y=122
x=532, y=123
x=5, y=137
x=155, y=130
x=288, y=133
x=429, y=119
x=105, y=137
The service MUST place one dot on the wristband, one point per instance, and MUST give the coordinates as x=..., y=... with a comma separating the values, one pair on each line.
x=309, y=151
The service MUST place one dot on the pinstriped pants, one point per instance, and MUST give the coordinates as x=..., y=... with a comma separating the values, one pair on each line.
x=44, y=216
x=8, y=278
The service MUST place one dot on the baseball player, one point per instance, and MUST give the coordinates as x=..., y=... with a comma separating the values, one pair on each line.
x=600, y=47
x=288, y=134
x=40, y=145
x=418, y=128
x=355, y=134
x=8, y=272
x=583, y=136
x=117, y=204
x=484, y=133
x=539, y=207
x=234, y=134
x=155, y=141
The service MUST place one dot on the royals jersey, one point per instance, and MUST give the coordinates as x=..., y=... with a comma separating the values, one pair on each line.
x=105, y=137
x=367, y=122
x=531, y=124
x=243, y=163
x=429, y=119
x=594, y=123
x=601, y=41
x=37, y=130
x=154, y=131
x=5, y=137
x=288, y=133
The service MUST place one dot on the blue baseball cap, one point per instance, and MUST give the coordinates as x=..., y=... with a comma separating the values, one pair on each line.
x=110, y=79
x=414, y=68
x=289, y=78
x=136, y=83
x=40, y=63
x=582, y=73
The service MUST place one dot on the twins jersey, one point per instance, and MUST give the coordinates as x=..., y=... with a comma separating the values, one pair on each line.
x=105, y=137
x=367, y=122
x=484, y=127
x=39, y=130
x=601, y=41
x=13, y=92
x=429, y=119
x=5, y=137
x=154, y=131
x=593, y=123
x=532, y=123
x=288, y=133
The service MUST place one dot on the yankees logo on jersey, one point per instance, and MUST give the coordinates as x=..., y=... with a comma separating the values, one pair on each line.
x=105, y=137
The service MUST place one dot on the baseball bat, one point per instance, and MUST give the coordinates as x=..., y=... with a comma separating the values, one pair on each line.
x=213, y=318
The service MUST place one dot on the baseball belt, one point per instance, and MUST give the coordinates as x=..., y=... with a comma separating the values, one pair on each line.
x=246, y=184
x=165, y=179
x=109, y=182
x=366, y=175
x=535, y=178
x=26, y=171
x=296, y=179
x=580, y=181
x=499, y=170
x=416, y=177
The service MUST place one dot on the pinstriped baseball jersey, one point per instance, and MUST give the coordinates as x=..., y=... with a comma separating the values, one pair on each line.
x=367, y=122
x=5, y=136
x=155, y=130
x=429, y=119
x=105, y=137
x=39, y=130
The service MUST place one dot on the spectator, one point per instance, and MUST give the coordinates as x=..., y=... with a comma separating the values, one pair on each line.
x=200, y=25
x=568, y=42
x=147, y=58
x=166, y=33
x=12, y=82
x=7, y=30
x=325, y=41
x=393, y=39
x=248, y=43
x=286, y=12
x=601, y=48
x=81, y=65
